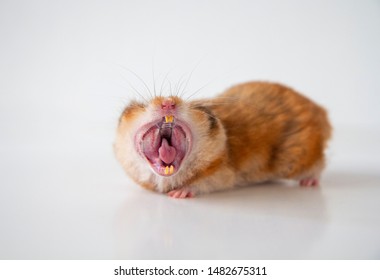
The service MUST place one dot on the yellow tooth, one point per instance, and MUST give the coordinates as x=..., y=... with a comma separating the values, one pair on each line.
x=169, y=119
x=171, y=169
x=166, y=170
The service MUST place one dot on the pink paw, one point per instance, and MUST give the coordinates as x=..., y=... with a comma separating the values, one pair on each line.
x=181, y=193
x=309, y=182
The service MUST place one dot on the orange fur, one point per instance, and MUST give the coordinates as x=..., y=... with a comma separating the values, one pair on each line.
x=272, y=131
x=147, y=185
x=207, y=171
x=131, y=112
x=253, y=132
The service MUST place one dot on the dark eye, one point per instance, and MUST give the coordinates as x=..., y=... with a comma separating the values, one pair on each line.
x=210, y=115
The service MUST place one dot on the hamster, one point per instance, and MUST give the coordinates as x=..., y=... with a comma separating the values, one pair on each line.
x=253, y=132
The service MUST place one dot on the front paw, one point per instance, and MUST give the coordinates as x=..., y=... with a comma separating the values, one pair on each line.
x=184, y=192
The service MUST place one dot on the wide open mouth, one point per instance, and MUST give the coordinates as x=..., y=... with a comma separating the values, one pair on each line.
x=165, y=144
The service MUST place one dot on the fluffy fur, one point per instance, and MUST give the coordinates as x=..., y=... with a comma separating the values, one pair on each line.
x=251, y=133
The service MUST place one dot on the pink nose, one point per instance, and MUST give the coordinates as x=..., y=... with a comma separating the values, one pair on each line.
x=168, y=104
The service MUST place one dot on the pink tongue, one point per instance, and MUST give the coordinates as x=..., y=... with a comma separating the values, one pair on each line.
x=166, y=152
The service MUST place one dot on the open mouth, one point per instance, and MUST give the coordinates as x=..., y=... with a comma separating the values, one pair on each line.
x=165, y=144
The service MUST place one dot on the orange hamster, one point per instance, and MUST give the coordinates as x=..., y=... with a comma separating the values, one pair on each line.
x=251, y=133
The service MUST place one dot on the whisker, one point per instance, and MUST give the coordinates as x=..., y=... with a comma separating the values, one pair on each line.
x=163, y=82
x=179, y=84
x=138, y=77
x=191, y=95
x=154, y=80
x=210, y=115
x=222, y=102
x=170, y=88
x=189, y=77
x=212, y=80
x=224, y=98
x=133, y=88
x=137, y=92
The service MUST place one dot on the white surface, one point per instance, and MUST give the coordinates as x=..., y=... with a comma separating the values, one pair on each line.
x=62, y=194
x=80, y=205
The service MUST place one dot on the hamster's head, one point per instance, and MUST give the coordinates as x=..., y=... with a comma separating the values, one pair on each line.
x=168, y=138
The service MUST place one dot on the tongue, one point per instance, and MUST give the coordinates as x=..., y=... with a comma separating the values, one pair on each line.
x=166, y=152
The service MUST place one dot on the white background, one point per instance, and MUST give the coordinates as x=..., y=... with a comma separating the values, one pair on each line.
x=64, y=82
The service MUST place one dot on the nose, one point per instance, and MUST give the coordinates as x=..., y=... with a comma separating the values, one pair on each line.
x=168, y=104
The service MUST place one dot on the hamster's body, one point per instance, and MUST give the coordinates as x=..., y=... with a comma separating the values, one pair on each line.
x=253, y=132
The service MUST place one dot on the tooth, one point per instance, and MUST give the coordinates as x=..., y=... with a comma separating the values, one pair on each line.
x=171, y=169
x=166, y=170
x=169, y=119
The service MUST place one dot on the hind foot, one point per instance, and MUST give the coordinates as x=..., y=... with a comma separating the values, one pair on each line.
x=309, y=182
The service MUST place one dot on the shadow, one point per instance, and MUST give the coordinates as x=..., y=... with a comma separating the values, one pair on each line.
x=339, y=179
x=265, y=221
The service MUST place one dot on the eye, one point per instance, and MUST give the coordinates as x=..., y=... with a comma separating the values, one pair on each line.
x=212, y=119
